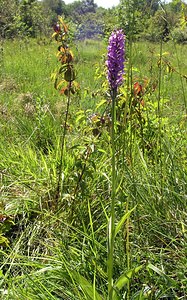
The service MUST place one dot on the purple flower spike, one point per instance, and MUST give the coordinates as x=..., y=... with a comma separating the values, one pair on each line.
x=115, y=62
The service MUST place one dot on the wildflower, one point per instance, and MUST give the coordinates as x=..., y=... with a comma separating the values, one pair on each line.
x=115, y=61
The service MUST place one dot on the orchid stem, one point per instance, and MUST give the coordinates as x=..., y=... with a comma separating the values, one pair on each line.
x=111, y=235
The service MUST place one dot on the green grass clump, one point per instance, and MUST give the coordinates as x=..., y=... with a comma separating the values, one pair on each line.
x=60, y=252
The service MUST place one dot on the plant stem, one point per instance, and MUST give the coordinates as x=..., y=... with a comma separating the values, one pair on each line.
x=128, y=250
x=160, y=116
x=111, y=233
x=59, y=181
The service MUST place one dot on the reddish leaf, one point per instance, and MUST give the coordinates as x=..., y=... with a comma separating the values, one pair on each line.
x=138, y=89
x=63, y=90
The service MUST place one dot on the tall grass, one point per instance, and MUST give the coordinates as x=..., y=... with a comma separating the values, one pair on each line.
x=63, y=255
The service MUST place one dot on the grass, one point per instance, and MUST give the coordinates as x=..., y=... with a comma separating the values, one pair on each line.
x=49, y=253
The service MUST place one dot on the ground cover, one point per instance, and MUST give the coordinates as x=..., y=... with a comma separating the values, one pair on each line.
x=51, y=251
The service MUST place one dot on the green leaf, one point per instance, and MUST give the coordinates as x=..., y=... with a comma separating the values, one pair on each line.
x=102, y=102
x=161, y=273
x=69, y=74
x=123, y=280
x=62, y=69
x=4, y=241
x=86, y=287
x=155, y=269
x=123, y=219
x=80, y=118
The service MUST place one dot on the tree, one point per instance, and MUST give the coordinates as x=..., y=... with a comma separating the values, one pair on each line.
x=54, y=5
x=134, y=15
x=88, y=6
x=8, y=12
x=32, y=18
x=26, y=12
x=90, y=27
x=175, y=6
x=150, y=6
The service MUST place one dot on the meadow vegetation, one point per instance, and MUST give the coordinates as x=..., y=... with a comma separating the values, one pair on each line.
x=53, y=239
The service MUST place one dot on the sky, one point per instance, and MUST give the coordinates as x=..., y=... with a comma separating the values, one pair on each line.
x=108, y=3
x=103, y=3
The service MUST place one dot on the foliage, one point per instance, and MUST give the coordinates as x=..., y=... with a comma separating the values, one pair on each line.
x=179, y=35
x=143, y=19
x=7, y=14
x=60, y=251
x=133, y=15
x=91, y=27
x=24, y=18
x=150, y=20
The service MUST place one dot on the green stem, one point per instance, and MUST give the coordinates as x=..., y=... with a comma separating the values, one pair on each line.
x=111, y=233
x=128, y=250
x=160, y=116
x=59, y=181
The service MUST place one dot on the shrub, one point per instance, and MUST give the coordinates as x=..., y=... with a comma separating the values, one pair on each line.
x=179, y=35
